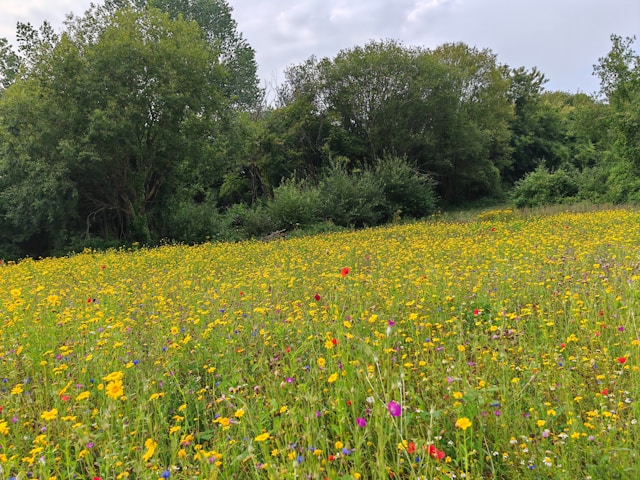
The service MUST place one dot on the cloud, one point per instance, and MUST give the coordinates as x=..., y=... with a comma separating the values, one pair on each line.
x=425, y=7
x=563, y=38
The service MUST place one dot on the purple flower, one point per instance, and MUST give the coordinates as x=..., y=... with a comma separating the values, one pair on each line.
x=395, y=409
x=361, y=422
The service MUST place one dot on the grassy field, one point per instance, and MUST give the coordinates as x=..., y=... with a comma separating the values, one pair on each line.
x=502, y=347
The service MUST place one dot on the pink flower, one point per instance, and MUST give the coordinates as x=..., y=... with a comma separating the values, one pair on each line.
x=361, y=422
x=395, y=409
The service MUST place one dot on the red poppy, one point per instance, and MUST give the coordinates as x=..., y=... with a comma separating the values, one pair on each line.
x=622, y=359
x=331, y=458
x=434, y=452
x=317, y=297
x=334, y=341
x=411, y=448
x=345, y=271
x=476, y=311
x=605, y=391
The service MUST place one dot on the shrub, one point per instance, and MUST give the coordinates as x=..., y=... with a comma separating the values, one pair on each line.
x=351, y=199
x=542, y=187
x=406, y=190
x=294, y=205
x=622, y=184
x=241, y=222
x=191, y=222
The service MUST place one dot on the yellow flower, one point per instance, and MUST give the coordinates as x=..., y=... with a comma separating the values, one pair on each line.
x=239, y=413
x=332, y=378
x=113, y=377
x=4, y=428
x=150, y=445
x=321, y=362
x=49, y=415
x=115, y=390
x=83, y=396
x=224, y=421
x=463, y=423
x=262, y=437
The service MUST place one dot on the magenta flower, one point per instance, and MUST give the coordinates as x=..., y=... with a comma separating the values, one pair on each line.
x=394, y=409
x=361, y=422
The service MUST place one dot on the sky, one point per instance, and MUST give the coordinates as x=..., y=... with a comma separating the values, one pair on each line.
x=561, y=38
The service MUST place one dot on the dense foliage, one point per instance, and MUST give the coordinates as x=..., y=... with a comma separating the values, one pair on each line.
x=143, y=121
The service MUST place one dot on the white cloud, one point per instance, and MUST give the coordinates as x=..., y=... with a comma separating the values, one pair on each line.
x=424, y=6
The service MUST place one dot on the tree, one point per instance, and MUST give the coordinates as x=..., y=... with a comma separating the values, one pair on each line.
x=123, y=103
x=619, y=73
x=474, y=143
x=9, y=61
x=221, y=32
x=446, y=111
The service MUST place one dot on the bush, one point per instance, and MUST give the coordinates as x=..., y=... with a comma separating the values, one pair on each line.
x=406, y=190
x=241, y=222
x=191, y=222
x=351, y=199
x=542, y=187
x=294, y=205
x=622, y=184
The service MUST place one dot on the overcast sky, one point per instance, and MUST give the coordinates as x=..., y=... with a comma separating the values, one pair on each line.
x=562, y=38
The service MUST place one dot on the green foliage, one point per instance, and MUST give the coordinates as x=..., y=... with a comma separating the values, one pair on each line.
x=542, y=187
x=351, y=199
x=192, y=222
x=619, y=73
x=120, y=102
x=9, y=62
x=406, y=190
x=294, y=205
x=622, y=183
x=538, y=130
x=220, y=30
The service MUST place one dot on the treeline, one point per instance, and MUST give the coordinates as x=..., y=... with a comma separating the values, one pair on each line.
x=144, y=122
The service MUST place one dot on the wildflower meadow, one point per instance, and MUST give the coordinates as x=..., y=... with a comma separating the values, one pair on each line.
x=500, y=347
